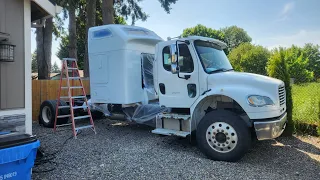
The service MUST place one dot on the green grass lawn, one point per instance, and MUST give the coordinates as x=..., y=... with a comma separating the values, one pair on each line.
x=306, y=102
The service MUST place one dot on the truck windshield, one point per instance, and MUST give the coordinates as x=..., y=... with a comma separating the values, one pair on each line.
x=212, y=57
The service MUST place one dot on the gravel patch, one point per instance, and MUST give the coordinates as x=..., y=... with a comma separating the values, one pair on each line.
x=130, y=151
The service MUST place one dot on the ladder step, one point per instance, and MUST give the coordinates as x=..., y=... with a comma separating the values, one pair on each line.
x=69, y=59
x=70, y=68
x=73, y=97
x=79, y=107
x=62, y=107
x=84, y=127
x=81, y=117
x=61, y=125
x=72, y=87
x=64, y=116
x=72, y=78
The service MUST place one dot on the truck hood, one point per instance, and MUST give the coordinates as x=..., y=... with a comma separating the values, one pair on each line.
x=243, y=79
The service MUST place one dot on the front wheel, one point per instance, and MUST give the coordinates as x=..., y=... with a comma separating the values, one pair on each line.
x=223, y=136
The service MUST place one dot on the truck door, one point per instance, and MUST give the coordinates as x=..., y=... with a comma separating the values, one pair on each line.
x=174, y=91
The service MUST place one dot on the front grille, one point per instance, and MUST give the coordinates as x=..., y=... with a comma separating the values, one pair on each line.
x=282, y=95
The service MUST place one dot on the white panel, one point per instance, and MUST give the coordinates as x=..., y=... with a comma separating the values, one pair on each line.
x=115, y=64
x=27, y=65
x=47, y=6
x=100, y=68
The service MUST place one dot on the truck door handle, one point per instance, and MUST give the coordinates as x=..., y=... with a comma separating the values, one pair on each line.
x=162, y=88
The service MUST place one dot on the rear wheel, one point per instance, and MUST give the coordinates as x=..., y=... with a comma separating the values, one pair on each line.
x=223, y=136
x=48, y=113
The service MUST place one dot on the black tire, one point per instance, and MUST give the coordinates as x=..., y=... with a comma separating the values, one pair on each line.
x=242, y=132
x=48, y=112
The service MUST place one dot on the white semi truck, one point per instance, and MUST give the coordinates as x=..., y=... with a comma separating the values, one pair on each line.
x=187, y=86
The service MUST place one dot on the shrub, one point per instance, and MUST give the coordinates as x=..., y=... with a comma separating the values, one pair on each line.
x=298, y=64
x=278, y=68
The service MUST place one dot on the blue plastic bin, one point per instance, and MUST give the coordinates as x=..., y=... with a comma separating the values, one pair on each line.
x=16, y=161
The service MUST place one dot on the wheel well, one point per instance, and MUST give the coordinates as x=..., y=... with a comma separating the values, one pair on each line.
x=216, y=102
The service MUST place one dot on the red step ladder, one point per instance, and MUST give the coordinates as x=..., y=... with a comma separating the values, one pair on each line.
x=65, y=69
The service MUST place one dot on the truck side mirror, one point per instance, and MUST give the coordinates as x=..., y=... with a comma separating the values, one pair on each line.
x=174, y=59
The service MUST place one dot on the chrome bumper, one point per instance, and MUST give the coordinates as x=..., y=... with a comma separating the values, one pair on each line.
x=270, y=129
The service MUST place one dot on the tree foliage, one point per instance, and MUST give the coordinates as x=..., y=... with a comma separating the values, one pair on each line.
x=55, y=68
x=298, y=63
x=201, y=30
x=278, y=68
x=132, y=9
x=249, y=58
x=34, y=64
x=312, y=52
x=234, y=36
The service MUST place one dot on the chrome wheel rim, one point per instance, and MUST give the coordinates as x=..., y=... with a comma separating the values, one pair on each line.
x=46, y=114
x=221, y=137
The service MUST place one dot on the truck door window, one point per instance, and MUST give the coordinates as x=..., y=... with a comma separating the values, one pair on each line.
x=185, y=59
x=166, y=58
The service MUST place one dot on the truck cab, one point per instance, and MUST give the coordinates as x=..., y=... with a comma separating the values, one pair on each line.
x=195, y=75
x=187, y=85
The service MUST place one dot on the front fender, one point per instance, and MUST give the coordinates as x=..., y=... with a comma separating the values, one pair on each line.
x=239, y=94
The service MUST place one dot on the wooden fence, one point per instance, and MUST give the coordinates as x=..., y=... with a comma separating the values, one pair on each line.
x=48, y=90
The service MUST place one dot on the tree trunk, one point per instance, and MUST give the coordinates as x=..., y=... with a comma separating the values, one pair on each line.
x=91, y=21
x=107, y=12
x=44, y=49
x=72, y=33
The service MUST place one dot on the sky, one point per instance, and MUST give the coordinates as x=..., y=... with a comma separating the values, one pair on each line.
x=269, y=23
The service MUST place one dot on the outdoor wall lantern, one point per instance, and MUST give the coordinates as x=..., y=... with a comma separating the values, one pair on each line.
x=6, y=48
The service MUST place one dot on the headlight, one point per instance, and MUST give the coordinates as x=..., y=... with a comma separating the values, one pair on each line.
x=258, y=101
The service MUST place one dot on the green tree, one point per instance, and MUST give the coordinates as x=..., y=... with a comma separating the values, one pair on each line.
x=55, y=68
x=298, y=64
x=312, y=52
x=249, y=58
x=278, y=68
x=201, y=30
x=70, y=12
x=34, y=64
x=234, y=36
x=129, y=8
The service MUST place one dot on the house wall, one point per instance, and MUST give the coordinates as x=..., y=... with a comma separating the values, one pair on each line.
x=12, y=74
x=15, y=81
